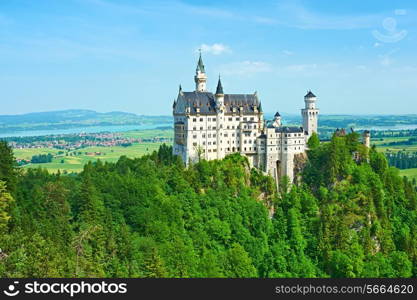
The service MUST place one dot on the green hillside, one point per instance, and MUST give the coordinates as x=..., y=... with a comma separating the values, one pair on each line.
x=151, y=217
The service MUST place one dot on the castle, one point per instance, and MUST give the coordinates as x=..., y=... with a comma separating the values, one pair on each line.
x=211, y=126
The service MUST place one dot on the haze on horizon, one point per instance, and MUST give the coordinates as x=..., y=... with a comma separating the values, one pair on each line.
x=108, y=55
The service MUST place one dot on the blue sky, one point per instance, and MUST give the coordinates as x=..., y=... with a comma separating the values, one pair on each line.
x=359, y=57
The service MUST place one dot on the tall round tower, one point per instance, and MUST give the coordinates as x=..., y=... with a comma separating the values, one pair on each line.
x=367, y=138
x=310, y=114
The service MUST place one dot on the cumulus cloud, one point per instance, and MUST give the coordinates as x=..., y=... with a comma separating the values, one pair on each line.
x=215, y=49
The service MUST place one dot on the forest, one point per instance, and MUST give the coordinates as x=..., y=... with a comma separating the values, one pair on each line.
x=402, y=159
x=349, y=215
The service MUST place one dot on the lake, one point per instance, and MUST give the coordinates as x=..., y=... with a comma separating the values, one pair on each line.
x=88, y=129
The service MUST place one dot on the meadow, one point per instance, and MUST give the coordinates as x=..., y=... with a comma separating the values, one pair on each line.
x=73, y=161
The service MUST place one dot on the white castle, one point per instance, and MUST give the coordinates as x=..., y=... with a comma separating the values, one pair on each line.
x=211, y=126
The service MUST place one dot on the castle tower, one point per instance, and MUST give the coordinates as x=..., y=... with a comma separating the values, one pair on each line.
x=200, y=77
x=367, y=138
x=220, y=109
x=310, y=114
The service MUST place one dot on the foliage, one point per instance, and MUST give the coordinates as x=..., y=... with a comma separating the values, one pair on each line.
x=351, y=216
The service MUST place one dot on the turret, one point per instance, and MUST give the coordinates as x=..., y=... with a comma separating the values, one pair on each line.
x=219, y=94
x=277, y=120
x=200, y=77
x=366, y=138
x=310, y=114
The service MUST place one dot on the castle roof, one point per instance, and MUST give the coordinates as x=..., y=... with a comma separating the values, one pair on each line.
x=277, y=114
x=219, y=89
x=310, y=95
x=289, y=129
x=200, y=65
x=205, y=102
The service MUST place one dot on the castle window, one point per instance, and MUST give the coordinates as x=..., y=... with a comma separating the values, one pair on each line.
x=201, y=119
x=194, y=128
x=209, y=135
x=237, y=119
x=204, y=143
x=194, y=136
x=245, y=148
x=194, y=144
x=233, y=134
x=194, y=120
x=251, y=118
x=233, y=127
x=201, y=128
x=230, y=119
x=214, y=119
x=209, y=119
x=214, y=135
x=214, y=143
x=254, y=148
x=204, y=135
x=245, y=119
x=228, y=127
x=214, y=150
x=214, y=127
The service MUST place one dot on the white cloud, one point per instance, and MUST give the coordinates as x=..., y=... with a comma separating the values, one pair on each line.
x=287, y=52
x=245, y=68
x=400, y=12
x=215, y=49
x=265, y=20
x=294, y=14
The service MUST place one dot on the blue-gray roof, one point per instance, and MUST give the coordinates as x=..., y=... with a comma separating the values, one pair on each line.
x=205, y=101
x=289, y=129
x=310, y=95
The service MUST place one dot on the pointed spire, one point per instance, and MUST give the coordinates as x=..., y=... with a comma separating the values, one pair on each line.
x=260, y=107
x=180, y=89
x=219, y=89
x=200, y=64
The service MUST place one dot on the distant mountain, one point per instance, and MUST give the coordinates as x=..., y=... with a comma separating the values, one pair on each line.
x=74, y=118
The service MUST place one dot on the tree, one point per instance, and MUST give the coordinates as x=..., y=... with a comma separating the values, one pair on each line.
x=6, y=201
x=8, y=171
x=313, y=142
x=238, y=263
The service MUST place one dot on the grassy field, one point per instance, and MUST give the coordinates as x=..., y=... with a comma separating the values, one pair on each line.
x=383, y=148
x=74, y=161
x=149, y=134
x=410, y=173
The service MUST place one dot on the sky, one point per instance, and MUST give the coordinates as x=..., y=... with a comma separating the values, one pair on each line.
x=358, y=57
